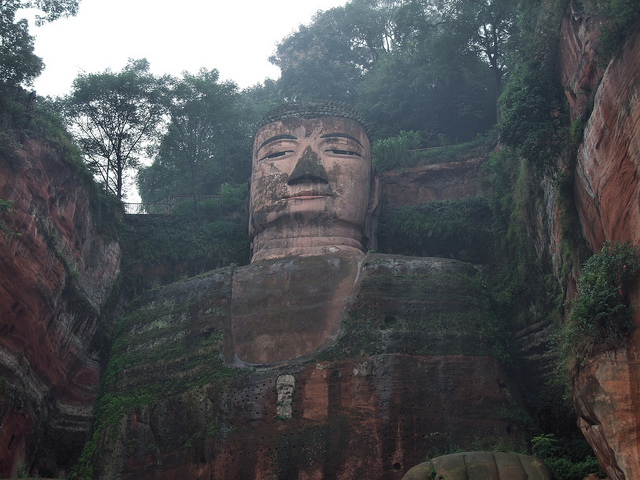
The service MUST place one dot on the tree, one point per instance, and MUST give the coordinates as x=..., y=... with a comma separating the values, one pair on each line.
x=206, y=143
x=317, y=62
x=52, y=9
x=447, y=98
x=485, y=27
x=257, y=100
x=18, y=63
x=114, y=117
x=328, y=58
x=434, y=66
x=481, y=28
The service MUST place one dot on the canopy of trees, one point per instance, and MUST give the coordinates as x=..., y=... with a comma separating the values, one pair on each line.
x=207, y=143
x=433, y=66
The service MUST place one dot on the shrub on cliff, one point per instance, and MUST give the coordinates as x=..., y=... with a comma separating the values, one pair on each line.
x=568, y=459
x=395, y=152
x=600, y=317
x=459, y=229
x=620, y=19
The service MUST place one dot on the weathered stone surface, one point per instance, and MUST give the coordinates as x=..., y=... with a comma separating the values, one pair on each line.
x=312, y=188
x=56, y=276
x=288, y=308
x=481, y=466
x=607, y=187
x=395, y=385
x=580, y=65
x=607, y=399
x=444, y=181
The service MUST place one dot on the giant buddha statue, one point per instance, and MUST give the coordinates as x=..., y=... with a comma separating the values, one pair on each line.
x=313, y=201
x=319, y=359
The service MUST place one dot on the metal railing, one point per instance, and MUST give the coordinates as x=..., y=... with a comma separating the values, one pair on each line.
x=173, y=199
x=165, y=208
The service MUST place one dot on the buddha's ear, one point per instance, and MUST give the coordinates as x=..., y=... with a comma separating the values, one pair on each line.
x=373, y=211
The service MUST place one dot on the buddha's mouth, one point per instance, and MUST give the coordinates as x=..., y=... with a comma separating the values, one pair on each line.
x=309, y=195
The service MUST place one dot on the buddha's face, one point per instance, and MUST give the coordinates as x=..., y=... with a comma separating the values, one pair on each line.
x=310, y=178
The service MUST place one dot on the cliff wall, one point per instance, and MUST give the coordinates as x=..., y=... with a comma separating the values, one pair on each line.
x=606, y=187
x=57, y=274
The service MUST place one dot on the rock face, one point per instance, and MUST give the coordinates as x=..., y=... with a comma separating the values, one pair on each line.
x=412, y=372
x=445, y=181
x=264, y=332
x=608, y=159
x=607, y=192
x=57, y=273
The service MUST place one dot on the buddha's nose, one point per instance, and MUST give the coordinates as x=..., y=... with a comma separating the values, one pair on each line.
x=309, y=169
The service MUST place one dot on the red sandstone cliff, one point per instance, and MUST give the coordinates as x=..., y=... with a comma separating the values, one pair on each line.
x=57, y=274
x=607, y=391
x=443, y=181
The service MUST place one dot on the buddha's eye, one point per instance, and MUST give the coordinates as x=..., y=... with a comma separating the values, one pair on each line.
x=335, y=151
x=277, y=154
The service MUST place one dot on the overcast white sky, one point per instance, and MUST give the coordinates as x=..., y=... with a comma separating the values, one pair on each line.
x=235, y=36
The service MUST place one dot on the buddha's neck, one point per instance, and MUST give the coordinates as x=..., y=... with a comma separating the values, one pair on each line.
x=278, y=243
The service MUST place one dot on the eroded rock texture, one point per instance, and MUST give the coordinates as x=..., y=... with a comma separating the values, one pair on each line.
x=57, y=274
x=413, y=371
x=444, y=181
x=607, y=192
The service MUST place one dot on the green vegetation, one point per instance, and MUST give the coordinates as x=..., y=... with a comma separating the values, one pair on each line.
x=568, y=459
x=207, y=142
x=620, y=19
x=371, y=326
x=435, y=68
x=18, y=64
x=460, y=229
x=395, y=152
x=113, y=116
x=403, y=151
x=426, y=75
x=186, y=243
x=5, y=207
x=157, y=356
x=532, y=106
x=599, y=317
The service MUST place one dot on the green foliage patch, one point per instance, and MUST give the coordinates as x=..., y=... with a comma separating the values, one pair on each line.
x=157, y=356
x=188, y=242
x=620, y=19
x=395, y=152
x=568, y=459
x=533, y=105
x=403, y=151
x=460, y=229
x=532, y=114
x=5, y=207
x=599, y=317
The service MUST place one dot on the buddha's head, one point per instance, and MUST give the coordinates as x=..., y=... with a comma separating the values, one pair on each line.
x=313, y=188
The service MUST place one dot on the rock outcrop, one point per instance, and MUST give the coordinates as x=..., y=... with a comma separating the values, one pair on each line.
x=413, y=371
x=443, y=181
x=57, y=273
x=606, y=194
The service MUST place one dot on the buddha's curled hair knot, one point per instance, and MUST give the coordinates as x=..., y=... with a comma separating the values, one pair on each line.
x=316, y=109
